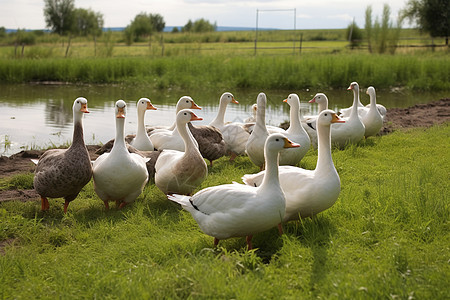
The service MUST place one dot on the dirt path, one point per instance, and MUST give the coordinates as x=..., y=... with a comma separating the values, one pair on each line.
x=420, y=115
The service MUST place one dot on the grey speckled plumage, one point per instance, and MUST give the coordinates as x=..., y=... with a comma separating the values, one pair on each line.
x=210, y=141
x=62, y=173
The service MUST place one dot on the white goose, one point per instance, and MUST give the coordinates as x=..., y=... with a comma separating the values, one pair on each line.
x=295, y=133
x=255, y=143
x=119, y=176
x=252, y=118
x=309, y=123
x=352, y=131
x=308, y=192
x=235, y=210
x=64, y=172
x=140, y=140
x=181, y=172
x=372, y=120
x=346, y=112
x=234, y=134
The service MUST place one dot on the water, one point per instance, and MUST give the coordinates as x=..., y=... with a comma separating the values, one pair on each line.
x=40, y=116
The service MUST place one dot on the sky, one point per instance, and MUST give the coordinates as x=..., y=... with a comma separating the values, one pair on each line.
x=281, y=14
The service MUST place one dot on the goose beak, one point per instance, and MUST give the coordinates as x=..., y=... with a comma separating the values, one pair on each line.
x=234, y=101
x=120, y=114
x=195, y=106
x=150, y=106
x=195, y=118
x=350, y=88
x=290, y=144
x=285, y=100
x=313, y=100
x=336, y=119
x=84, y=109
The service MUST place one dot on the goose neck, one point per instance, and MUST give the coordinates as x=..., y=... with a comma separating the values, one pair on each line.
x=78, y=136
x=219, y=120
x=271, y=176
x=187, y=137
x=324, y=159
x=356, y=103
x=141, y=126
x=119, y=142
x=294, y=116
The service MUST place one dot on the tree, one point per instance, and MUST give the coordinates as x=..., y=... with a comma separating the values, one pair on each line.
x=59, y=15
x=143, y=26
x=382, y=36
x=432, y=16
x=200, y=25
x=354, y=35
x=87, y=22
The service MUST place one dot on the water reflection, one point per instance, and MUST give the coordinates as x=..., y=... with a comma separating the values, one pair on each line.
x=41, y=115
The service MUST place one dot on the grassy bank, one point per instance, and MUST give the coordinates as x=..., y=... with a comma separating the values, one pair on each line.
x=424, y=72
x=386, y=237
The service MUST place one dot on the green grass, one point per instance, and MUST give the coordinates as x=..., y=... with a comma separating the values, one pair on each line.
x=387, y=236
x=424, y=72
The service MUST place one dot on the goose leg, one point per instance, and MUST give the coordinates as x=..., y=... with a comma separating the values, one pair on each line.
x=122, y=205
x=44, y=204
x=216, y=242
x=106, y=204
x=280, y=229
x=249, y=242
x=66, y=204
x=233, y=156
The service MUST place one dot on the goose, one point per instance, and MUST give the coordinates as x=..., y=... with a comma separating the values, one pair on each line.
x=235, y=210
x=309, y=123
x=373, y=121
x=346, y=112
x=119, y=176
x=181, y=171
x=252, y=118
x=140, y=140
x=373, y=97
x=183, y=103
x=295, y=133
x=64, y=172
x=352, y=131
x=308, y=192
x=210, y=141
x=234, y=134
x=255, y=143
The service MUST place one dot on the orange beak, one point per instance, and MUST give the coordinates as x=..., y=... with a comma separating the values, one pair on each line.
x=290, y=144
x=336, y=119
x=84, y=108
x=195, y=118
x=120, y=113
x=285, y=100
x=234, y=101
x=195, y=106
x=313, y=100
x=350, y=88
x=150, y=106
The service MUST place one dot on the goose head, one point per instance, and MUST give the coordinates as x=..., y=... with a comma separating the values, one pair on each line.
x=354, y=86
x=319, y=98
x=327, y=117
x=184, y=116
x=278, y=141
x=121, y=110
x=227, y=98
x=143, y=104
x=254, y=108
x=370, y=91
x=186, y=102
x=80, y=105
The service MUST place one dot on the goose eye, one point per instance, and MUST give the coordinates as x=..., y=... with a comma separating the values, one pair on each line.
x=277, y=140
x=326, y=115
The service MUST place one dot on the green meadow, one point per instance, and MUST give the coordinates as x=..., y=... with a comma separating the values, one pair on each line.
x=386, y=237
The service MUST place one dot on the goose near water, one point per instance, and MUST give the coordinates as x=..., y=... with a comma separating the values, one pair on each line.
x=64, y=172
x=119, y=176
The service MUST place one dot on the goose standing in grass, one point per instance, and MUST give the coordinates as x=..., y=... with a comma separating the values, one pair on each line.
x=308, y=192
x=372, y=120
x=295, y=133
x=255, y=143
x=64, y=172
x=352, y=131
x=140, y=140
x=235, y=210
x=181, y=171
x=119, y=176
x=234, y=134
x=309, y=123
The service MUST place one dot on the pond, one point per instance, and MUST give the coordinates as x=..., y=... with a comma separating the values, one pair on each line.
x=40, y=116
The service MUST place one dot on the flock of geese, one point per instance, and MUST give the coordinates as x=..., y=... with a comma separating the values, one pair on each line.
x=173, y=157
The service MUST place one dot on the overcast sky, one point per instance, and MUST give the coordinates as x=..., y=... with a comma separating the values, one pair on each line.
x=316, y=14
